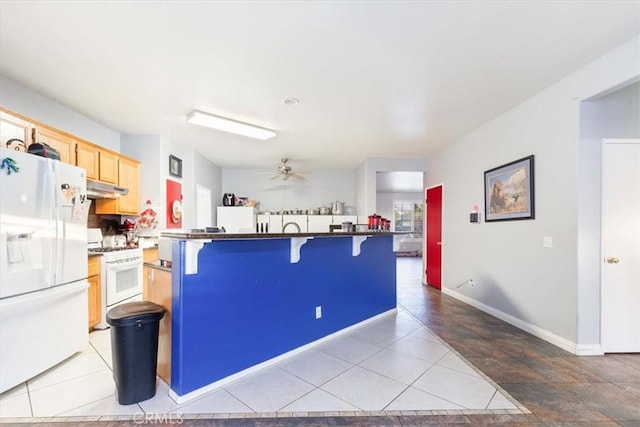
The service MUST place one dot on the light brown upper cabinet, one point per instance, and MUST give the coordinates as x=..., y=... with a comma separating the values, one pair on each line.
x=65, y=145
x=15, y=133
x=128, y=177
x=108, y=170
x=88, y=157
x=18, y=132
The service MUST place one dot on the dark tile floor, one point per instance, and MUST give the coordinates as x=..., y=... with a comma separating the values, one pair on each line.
x=559, y=389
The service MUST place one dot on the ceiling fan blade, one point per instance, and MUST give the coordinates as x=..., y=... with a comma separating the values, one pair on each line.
x=297, y=176
x=274, y=177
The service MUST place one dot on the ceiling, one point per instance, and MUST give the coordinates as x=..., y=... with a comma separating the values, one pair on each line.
x=374, y=79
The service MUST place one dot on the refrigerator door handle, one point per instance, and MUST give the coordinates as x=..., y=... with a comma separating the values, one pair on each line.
x=49, y=207
x=56, y=209
x=20, y=236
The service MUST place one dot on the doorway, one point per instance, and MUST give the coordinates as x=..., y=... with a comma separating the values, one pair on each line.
x=203, y=207
x=433, y=240
x=620, y=243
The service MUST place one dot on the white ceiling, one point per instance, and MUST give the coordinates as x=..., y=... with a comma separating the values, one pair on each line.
x=374, y=79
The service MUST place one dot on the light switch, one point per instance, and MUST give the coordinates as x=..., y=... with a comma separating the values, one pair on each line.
x=547, y=242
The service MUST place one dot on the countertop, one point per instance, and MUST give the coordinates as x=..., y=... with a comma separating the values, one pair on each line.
x=186, y=235
x=156, y=265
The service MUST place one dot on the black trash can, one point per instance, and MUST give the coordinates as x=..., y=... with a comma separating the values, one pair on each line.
x=134, y=349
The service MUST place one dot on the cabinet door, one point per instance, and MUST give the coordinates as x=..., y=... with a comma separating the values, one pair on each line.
x=64, y=144
x=87, y=157
x=300, y=220
x=94, y=301
x=319, y=223
x=159, y=292
x=95, y=295
x=275, y=224
x=128, y=177
x=15, y=133
x=108, y=167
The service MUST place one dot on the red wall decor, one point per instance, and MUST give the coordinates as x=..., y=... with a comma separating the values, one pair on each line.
x=174, y=204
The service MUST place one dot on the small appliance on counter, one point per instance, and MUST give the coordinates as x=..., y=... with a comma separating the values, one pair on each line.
x=229, y=199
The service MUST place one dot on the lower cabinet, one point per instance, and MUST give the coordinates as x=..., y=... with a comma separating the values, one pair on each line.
x=157, y=289
x=319, y=223
x=94, y=293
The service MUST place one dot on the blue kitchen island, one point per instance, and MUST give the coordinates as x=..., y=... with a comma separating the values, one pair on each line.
x=240, y=300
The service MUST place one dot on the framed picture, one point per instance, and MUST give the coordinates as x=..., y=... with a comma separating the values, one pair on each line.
x=508, y=191
x=175, y=166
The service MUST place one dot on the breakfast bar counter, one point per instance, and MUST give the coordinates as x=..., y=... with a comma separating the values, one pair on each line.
x=241, y=300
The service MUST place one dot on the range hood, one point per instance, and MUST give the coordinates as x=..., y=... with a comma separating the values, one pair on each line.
x=100, y=190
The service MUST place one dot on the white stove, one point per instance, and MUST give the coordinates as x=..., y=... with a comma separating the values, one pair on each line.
x=120, y=274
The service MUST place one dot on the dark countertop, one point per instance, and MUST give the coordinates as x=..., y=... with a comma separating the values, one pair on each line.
x=186, y=235
x=156, y=265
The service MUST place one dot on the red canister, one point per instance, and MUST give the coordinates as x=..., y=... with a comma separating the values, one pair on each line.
x=377, y=221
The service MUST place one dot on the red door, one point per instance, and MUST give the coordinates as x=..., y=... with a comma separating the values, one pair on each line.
x=433, y=242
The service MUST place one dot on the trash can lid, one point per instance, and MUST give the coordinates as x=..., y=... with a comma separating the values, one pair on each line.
x=132, y=313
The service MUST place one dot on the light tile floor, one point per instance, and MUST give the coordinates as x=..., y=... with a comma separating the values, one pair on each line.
x=392, y=364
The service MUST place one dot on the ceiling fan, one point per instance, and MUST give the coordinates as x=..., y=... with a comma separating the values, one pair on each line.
x=285, y=172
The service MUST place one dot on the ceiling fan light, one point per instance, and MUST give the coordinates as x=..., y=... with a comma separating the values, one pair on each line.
x=228, y=125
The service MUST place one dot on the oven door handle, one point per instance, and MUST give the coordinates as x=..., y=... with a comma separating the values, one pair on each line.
x=121, y=266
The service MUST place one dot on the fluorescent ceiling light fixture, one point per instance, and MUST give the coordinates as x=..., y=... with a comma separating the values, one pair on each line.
x=228, y=125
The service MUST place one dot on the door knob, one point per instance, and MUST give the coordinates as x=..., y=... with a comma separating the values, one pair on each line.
x=612, y=260
x=439, y=243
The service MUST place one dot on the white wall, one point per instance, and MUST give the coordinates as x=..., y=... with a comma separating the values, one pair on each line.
x=153, y=151
x=146, y=149
x=616, y=115
x=25, y=101
x=515, y=275
x=366, y=177
x=321, y=187
x=210, y=176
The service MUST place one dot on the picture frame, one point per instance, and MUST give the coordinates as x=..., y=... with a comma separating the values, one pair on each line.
x=509, y=191
x=175, y=166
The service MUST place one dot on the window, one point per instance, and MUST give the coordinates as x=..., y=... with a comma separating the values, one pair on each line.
x=408, y=216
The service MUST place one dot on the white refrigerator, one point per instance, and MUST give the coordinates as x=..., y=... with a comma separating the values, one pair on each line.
x=237, y=219
x=43, y=264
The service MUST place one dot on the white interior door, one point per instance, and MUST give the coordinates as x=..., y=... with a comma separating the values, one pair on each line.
x=203, y=207
x=620, y=281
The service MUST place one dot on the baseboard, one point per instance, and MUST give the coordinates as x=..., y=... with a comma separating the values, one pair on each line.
x=550, y=337
x=589, y=350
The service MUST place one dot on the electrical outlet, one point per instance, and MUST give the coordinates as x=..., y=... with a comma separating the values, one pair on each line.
x=318, y=312
x=547, y=242
x=472, y=283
